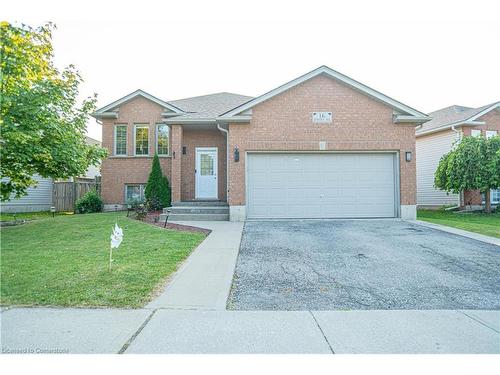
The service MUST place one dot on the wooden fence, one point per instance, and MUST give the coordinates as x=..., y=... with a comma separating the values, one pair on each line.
x=65, y=194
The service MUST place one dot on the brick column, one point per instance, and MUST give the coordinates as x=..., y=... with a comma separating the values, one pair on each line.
x=175, y=182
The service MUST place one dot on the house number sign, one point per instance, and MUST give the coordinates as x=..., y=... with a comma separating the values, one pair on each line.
x=322, y=117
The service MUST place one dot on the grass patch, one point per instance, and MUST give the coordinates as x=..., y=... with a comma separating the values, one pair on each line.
x=63, y=261
x=487, y=224
x=7, y=216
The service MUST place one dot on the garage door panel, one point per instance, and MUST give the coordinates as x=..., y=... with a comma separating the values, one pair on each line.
x=320, y=185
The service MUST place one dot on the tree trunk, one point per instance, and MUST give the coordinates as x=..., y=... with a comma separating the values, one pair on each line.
x=487, y=199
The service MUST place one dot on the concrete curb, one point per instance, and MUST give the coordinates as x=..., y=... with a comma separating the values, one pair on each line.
x=459, y=232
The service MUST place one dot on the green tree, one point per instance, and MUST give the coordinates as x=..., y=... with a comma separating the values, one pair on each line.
x=157, y=192
x=42, y=127
x=473, y=164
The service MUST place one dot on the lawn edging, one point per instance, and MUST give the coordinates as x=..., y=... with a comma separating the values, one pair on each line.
x=459, y=232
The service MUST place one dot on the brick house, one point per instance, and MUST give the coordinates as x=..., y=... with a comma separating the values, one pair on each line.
x=437, y=136
x=320, y=146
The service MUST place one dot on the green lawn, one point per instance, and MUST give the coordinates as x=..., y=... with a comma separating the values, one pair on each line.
x=63, y=261
x=487, y=224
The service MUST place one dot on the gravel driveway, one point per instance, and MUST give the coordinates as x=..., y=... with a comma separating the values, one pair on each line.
x=362, y=264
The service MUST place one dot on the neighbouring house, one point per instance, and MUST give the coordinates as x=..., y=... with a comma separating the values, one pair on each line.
x=39, y=197
x=436, y=137
x=320, y=146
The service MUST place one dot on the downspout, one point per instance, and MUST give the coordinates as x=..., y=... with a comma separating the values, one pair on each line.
x=227, y=159
x=462, y=201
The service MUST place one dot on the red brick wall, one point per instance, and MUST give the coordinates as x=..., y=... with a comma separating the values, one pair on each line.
x=120, y=170
x=176, y=141
x=117, y=171
x=492, y=122
x=284, y=123
x=202, y=138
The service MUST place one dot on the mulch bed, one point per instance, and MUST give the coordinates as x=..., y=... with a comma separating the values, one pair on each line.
x=152, y=218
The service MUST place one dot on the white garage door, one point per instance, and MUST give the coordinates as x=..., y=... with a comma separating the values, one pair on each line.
x=339, y=185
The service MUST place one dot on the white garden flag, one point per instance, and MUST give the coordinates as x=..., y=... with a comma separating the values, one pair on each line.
x=116, y=236
x=116, y=240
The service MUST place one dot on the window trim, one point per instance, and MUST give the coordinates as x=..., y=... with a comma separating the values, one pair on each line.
x=492, y=195
x=142, y=187
x=136, y=126
x=475, y=131
x=492, y=133
x=126, y=140
x=156, y=138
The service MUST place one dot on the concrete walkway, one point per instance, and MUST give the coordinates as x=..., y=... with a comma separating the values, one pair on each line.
x=458, y=232
x=204, y=280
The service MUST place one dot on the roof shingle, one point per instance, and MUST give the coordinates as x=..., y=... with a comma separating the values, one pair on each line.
x=451, y=115
x=209, y=106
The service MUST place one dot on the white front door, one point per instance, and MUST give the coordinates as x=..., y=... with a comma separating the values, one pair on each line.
x=206, y=173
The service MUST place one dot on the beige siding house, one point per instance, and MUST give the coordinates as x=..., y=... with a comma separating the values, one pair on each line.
x=430, y=148
x=437, y=137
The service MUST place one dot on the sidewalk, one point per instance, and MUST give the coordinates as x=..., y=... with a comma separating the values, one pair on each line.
x=183, y=331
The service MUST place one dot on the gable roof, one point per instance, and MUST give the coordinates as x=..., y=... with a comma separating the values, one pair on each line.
x=455, y=115
x=188, y=109
x=209, y=106
x=400, y=107
x=92, y=141
x=132, y=96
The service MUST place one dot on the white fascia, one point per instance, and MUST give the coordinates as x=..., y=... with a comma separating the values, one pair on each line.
x=450, y=126
x=133, y=95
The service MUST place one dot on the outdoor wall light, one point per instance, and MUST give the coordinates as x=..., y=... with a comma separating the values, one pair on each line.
x=236, y=155
x=184, y=150
x=408, y=156
x=173, y=154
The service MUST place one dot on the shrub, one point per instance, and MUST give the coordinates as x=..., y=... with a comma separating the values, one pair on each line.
x=157, y=192
x=90, y=202
x=135, y=203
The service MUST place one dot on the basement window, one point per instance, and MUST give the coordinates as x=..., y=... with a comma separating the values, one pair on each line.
x=134, y=192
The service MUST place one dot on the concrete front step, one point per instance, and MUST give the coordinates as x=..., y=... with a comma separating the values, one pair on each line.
x=199, y=204
x=199, y=210
x=194, y=217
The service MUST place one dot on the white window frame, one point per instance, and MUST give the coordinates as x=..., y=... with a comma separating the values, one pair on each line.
x=114, y=140
x=156, y=138
x=142, y=187
x=136, y=126
x=491, y=133
x=492, y=194
x=475, y=132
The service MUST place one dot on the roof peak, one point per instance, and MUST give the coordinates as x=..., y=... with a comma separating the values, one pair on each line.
x=324, y=69
x=212, y=94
